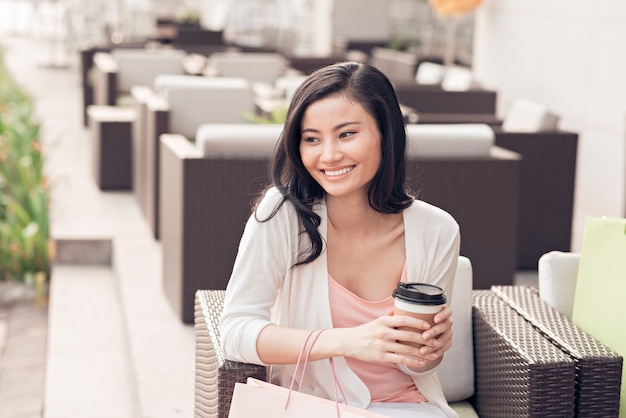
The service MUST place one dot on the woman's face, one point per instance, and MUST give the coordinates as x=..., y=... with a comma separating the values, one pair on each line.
x=340, y=145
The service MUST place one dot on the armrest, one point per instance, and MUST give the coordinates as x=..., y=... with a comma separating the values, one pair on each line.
x=215, y=377
x=105, y=79
x=180, y=146
x=599, y=369
x=518, y=371
x=105, y=62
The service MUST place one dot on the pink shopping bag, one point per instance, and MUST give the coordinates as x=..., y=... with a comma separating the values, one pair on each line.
x=261, y=399
x=256, y=398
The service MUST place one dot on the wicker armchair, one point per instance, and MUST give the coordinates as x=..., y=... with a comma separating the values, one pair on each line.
x=598, y=368
x=518, y=371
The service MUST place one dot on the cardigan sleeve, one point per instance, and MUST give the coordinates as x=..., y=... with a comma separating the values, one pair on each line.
x=266, y=252
x=438, y=242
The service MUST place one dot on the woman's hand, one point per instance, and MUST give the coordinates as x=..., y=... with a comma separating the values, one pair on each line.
x=383, y=340
x=437, y=339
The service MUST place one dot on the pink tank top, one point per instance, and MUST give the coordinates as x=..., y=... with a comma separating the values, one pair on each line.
x=384, y=380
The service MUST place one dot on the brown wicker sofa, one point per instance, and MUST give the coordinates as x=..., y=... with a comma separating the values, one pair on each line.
x=115, y=72
x=458, y=168
x=433, y=101
x=547, y=182
x=518, y=371
x=546, y=195
x=181, y=104
x=205, y=200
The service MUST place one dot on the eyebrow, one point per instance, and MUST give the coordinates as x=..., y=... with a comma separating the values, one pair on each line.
x=336, y=128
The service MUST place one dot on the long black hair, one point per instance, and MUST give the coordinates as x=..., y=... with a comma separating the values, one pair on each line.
x=370, y=88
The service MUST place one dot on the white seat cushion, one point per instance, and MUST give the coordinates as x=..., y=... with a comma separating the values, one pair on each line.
x=457, y=79
x=196, y=100
x=238, y=140
x=287, y=85
x=449, y=140
x=139, y=67
x=254, y=67
x=398, y=66
x=529, y=116
x=456, y=372
x=557, y=275
x=430, y=73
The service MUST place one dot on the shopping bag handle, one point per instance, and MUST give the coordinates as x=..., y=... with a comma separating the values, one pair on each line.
x=337, y=386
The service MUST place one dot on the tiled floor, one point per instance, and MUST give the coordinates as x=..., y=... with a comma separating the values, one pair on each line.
x=23, y=337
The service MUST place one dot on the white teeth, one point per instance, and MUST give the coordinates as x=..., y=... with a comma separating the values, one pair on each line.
x=338, y=172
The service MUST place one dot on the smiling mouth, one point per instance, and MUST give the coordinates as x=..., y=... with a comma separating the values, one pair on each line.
x=334, y=173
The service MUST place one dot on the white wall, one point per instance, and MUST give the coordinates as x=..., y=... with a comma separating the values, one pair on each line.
x=570, y=55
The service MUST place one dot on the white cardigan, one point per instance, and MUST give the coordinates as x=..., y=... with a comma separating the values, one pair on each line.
x=264, y=289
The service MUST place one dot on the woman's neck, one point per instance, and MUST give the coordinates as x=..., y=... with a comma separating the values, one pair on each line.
x=352, y=215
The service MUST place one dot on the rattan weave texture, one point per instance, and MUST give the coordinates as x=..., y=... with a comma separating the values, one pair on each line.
x=598, y=368
x=519, y=373
x=215, y=377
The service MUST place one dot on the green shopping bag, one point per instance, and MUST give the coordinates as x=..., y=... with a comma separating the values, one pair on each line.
x=600, y=298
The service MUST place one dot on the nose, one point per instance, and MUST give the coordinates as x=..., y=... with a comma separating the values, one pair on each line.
x=330, y=152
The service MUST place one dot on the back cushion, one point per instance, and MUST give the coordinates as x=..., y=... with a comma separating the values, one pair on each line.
x=197, y=100
x=456, y=372
x=254, y=67
x=457, y=79
x=164, y=82
x=238, y=141
x=449, y=140
x=398, y=66
x=529, y=116
x=139, y=67
x=430, y=73
x=557, y=274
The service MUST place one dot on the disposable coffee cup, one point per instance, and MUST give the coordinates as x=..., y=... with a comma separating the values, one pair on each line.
x=420, y=300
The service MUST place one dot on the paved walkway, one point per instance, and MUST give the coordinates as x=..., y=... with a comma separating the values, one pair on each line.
x=109, y=345
x=23, y=332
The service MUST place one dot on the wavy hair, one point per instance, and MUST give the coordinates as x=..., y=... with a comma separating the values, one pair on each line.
x=370, y=88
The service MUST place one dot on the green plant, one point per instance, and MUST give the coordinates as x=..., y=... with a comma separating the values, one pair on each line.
x=24, y=194
x=278, y=115
x=188, y=15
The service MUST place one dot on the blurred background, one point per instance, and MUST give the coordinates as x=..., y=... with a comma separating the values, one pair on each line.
x=563, y=54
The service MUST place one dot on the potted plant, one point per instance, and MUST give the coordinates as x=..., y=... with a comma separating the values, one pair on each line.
x=24, y=193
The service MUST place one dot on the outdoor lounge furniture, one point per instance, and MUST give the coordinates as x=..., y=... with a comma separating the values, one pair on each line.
x=181, y=104
x=207, y=190
x=598, y=368
x=458, y=168
x=116, y=72
x=548, y=178
x=559, y=287
x=547, y=184
x=86, y=71
x=431, y=97
x=432, y=104
x=111, y=148
x=256, y=67
x=516, y=371
x=110, y=117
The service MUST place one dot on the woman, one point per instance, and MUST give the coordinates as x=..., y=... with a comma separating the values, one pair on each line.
x=328, y=243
